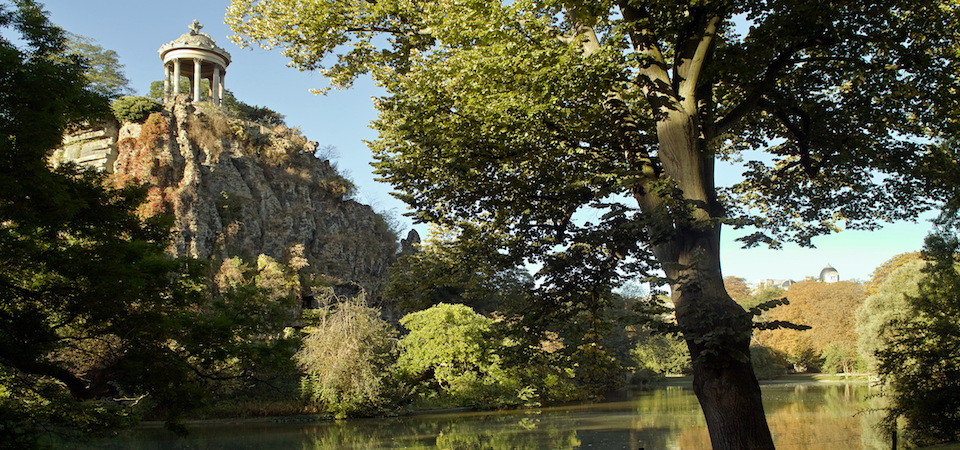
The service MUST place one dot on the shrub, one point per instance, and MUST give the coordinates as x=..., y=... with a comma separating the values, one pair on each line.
x=345, y=357
x=451, y=353
x=657, y=355
x=767, y=363
x=134, y=109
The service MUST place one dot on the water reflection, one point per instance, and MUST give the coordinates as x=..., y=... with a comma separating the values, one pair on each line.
x=800, y=416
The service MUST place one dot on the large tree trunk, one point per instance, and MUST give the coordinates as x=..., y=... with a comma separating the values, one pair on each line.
x=730, y=399
x=717, y=331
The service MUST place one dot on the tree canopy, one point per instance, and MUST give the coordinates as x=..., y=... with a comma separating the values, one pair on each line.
x=97, y=322
x=584, y=136
x=889, y=301
x=829, y=309
x=920, y=358
x=79, y=268
x=103, y=69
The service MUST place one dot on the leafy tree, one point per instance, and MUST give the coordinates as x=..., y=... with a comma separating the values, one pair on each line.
x=104, y=71
x=454, y=356
x=884, y=271
x=921, y=361
x=737, y=287
x=442, y=272
x=245, y=320
x=513, y=117
x=88, y=299
x=97, y=323
x=134, y=109
x=829, y=309
x=346, y=358
x=767, y=362
x=658, y=354
x=891, y=289
x=449, y=350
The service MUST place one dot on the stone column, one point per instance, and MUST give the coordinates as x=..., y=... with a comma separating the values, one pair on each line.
x=215, y=93
x=196, y=80
x=220, y=87
x=166, y=82
x=176, y=77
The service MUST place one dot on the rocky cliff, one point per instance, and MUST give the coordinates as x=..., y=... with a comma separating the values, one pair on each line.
x=237, y=188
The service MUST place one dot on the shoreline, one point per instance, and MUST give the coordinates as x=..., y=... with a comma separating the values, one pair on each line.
x=678, y=381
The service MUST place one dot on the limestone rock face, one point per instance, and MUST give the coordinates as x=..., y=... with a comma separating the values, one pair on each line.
x=94, y=147
x=237, y=188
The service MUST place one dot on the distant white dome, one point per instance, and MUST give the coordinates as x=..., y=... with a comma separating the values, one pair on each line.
x=829, y=274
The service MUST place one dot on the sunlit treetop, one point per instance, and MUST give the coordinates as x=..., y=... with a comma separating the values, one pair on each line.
x=843, y=100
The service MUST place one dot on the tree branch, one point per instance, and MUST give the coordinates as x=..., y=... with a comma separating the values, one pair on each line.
x=691, y=65
x=768, y=80
x=74, y=384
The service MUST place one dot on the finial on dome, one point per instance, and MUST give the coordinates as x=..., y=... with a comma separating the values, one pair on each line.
x=195, y=27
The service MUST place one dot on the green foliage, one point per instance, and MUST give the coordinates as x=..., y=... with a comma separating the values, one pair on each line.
x=453, y=356
x=134, y=109
x=104, y=71
x=445, y=272
x=768, y=363
x=886, y=270
x=532, y=93
x=841, y=358
x=889, y=302
x=582, y=137
x=657, y=355
x=244, y=111
x=79, y=269
x=98, y=325
x=345, y=357
x=920, y=361
x=449, y=348
x=246, y=319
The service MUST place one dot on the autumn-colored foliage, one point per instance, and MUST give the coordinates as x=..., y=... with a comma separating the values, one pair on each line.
x=737, y=287
x=830, y=310
x=142, y=161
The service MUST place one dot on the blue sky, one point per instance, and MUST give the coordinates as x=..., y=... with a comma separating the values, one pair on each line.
x=135, y=30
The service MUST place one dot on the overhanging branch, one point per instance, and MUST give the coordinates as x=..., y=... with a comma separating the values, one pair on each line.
x=768, y=80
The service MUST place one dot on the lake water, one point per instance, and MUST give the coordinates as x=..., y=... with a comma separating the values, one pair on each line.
x=801, y=416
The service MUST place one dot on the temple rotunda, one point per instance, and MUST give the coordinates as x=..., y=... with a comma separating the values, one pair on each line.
x=204, y=61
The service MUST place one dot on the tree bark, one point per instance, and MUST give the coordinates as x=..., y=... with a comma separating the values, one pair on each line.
x=717, y=331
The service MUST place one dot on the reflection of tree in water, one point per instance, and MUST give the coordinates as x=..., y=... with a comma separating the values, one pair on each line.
x=805, y=416
x=664, y=414
x=472, y=430
x=810, y=416
x=800, y=416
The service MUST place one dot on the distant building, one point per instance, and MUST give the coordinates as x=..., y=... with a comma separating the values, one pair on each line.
x=769, y=282
x=829, y=275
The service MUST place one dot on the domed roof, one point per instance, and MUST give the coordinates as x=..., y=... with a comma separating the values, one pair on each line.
x=194, y=39
x=827, y=270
